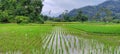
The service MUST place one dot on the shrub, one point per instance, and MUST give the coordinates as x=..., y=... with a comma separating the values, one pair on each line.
x=40, y=20
x=4, y=17
x=21, y=19
x=116, y=21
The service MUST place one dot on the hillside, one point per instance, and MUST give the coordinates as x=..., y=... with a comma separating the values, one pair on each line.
x=90, y=11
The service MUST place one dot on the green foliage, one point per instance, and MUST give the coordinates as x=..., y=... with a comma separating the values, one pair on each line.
x=39, y=20
x=45, y=18
x=4, y=18
x=65, y=17
x=21, y=19
x=13, y=8
x=97, y=17
x=103, y=15
x=107, y=19
x=84, y=18
x=57, y=19
x=108, y=15
x=116, y=21
x=81, y=17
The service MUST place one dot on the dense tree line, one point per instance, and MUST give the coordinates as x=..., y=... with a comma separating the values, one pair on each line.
x=64, y=17
x=21, y=11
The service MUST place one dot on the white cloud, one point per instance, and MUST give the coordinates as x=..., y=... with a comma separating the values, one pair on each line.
x=58, y=6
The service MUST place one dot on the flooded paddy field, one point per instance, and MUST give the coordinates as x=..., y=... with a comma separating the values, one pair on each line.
x=60, y=39
x=59, y=42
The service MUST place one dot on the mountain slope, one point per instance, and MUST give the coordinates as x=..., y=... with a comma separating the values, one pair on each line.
x=90, y=11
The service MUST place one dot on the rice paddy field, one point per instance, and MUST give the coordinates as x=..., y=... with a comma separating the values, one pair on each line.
x=60, y=38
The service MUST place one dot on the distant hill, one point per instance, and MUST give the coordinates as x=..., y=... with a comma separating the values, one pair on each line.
x=113, y=5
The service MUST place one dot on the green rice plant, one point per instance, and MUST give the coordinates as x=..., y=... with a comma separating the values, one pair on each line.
x=106, y=29
x=22, y=38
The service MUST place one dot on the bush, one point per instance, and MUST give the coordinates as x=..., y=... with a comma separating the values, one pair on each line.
x=40, y=20
x=21, y=19
x=116, y=21
x=4, y=17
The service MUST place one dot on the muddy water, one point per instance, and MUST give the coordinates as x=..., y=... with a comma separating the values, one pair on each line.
x=59, y=42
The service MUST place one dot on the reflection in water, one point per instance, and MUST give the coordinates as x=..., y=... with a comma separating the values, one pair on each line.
x=61, y=43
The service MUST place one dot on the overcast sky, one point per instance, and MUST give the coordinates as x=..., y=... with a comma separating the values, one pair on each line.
x=58, y=6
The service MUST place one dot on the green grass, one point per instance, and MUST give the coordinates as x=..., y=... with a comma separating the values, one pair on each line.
x=22, y=38
x=98, y=28
x=108, y=34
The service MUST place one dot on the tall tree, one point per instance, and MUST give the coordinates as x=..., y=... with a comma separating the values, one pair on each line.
x=65, y=16
x=107, y=18
x=97, y=17
x=81, y=17
x=28, y=8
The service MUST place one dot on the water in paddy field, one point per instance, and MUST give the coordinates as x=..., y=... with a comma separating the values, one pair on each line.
x=59, y=42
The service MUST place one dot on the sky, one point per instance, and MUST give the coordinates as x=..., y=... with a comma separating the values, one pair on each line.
x=56, y=7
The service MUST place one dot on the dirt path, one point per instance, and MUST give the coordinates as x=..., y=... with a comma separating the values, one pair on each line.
x=59, y=42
